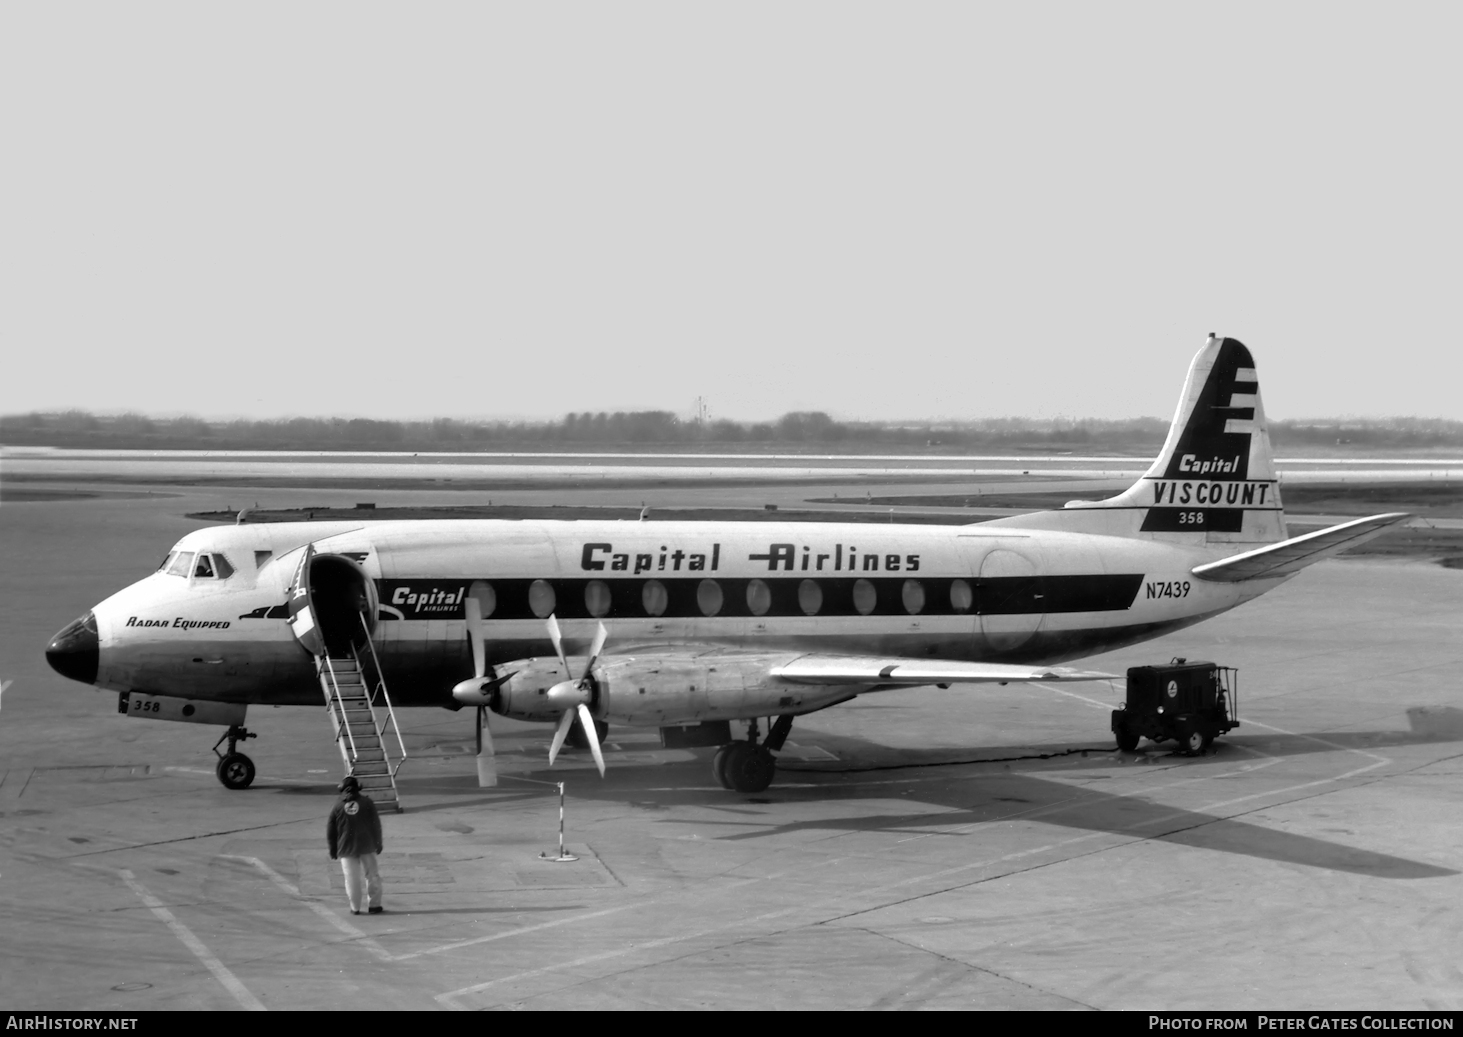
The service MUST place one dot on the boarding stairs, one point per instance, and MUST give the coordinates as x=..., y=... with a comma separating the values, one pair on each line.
x=363, y=721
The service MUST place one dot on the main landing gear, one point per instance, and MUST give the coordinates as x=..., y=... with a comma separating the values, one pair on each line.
x=234, y=769
x=748, y=766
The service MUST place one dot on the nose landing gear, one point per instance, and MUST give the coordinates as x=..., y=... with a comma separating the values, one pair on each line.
x=234, y=770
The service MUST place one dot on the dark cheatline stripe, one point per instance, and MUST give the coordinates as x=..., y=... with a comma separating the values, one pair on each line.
x=1194, y=520
x=442, y=599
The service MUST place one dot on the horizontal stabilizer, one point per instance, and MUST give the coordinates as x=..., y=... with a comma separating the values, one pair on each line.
x=871, y=669
x=1293, y=555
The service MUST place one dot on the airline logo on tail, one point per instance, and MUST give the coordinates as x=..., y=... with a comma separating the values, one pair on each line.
x=1206, y=484
x=1216, y=439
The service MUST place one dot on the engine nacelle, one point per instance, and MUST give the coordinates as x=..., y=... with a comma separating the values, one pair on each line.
x=666, y=687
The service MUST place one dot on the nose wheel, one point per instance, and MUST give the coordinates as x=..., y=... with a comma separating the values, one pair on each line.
x=234, y=770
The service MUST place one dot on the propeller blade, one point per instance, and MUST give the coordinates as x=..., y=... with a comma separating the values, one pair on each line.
x=487, y=762
x=600, y=636
x=475, y=636
x=587, y=722
x=558, y=640
x=565, y=722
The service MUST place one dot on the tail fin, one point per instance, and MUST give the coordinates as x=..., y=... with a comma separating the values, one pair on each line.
x=1214, y=480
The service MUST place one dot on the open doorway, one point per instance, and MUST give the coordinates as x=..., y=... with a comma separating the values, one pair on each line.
x=342, y=596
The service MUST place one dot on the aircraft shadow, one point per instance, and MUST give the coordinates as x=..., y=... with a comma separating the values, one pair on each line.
x=989, y=799
x=983, y=798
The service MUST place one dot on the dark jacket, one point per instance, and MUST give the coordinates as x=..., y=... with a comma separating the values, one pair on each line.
x=354, y=827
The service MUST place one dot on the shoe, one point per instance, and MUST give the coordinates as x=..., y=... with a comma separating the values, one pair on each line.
x=354, y=911
x=377, y=910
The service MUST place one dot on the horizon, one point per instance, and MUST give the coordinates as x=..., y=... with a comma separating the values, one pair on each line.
x=389, y=211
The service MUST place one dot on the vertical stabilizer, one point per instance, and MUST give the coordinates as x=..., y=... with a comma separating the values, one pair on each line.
x=1214, y=480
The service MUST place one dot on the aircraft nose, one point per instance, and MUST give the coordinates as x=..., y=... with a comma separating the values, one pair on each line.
x=75, y=651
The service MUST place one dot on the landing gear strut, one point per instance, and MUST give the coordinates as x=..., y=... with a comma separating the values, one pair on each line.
x=747, y=766
x=235, y=770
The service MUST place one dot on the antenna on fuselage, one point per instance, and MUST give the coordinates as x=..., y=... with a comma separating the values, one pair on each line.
x=243, y=515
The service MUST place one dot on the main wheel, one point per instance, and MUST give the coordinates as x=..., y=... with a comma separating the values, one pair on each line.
x=749, y=768
x=236, y=771
x=1127, y=740
x=718, y=765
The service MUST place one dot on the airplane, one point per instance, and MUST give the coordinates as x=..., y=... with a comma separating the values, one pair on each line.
x=690, y=626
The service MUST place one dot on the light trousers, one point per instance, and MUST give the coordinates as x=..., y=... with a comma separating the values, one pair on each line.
x=361, y=875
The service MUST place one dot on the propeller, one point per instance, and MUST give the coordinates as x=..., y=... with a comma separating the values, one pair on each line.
x=487, y=762
x=574, y=696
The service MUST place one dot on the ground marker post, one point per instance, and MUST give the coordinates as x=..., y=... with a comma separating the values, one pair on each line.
x=563, y=854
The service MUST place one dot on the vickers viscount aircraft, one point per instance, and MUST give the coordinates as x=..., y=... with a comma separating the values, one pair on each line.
x=689, y=626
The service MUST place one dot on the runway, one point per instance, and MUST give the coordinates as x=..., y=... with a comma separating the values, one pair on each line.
x=975, y=848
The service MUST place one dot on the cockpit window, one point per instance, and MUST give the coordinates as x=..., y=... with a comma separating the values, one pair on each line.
x=182, y=563
x=225, y=570
x=204, y=568
x=169, y=558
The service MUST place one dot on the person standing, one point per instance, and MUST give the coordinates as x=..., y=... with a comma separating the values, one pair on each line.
x=354, y=835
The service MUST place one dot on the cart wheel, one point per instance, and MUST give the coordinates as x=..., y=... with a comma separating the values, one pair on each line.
x=1127, y=740
x=1189, y=737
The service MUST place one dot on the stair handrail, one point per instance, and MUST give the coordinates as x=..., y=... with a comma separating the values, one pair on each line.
x=385, y=693
x=335, y=718
x=344, y=720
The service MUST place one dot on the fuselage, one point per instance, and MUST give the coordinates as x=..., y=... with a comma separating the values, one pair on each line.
x=975, y=593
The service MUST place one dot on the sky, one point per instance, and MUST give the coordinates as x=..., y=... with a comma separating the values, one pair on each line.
x=883, y=211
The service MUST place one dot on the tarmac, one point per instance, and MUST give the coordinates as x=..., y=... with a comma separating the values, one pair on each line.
x=965, y=848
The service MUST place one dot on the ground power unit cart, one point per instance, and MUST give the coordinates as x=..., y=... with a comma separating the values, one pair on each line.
x=1192, y=703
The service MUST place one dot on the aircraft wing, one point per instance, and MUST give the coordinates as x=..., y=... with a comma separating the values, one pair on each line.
x=1290, y=556
x=894, y=671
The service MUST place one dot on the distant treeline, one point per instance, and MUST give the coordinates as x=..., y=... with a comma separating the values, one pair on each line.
x=810, y=431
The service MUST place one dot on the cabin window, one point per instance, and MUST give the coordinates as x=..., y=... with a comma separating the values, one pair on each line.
x=708, y=597
x=204, y=569
x=597, y=598
x=914, y=597
x=541, y=598
x=759, y=597
x=810, y=597
x=864, y=597
x=485, y=596
x=182, y=564
x=655, y=598
x=225, y=570
x=260, y=557
x=960, y=596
